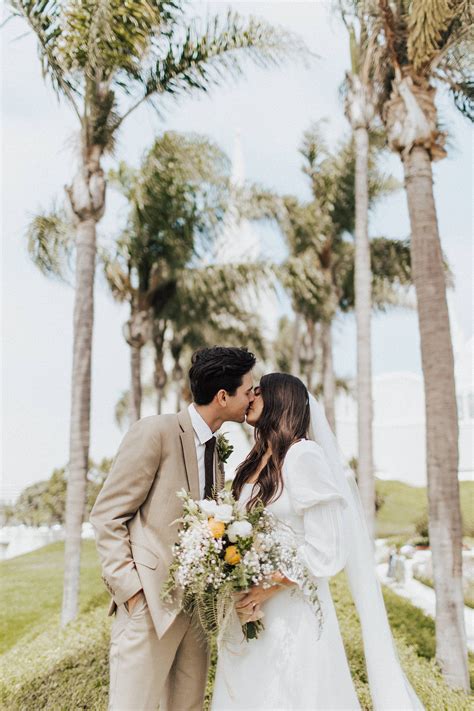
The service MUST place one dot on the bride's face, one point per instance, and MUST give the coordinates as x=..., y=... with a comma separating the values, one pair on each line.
x=256, y=408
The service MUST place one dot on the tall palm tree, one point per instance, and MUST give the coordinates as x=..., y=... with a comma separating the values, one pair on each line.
x=419, y=46
x=361, y=110
x=97, y=58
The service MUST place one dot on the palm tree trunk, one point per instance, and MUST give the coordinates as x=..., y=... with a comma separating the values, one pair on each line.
x=136, y=333
x=160, y=376
x=87, y=201
x=307, y=354
x=329, y=381
x=295, y=353
x=441, y=418
x=136, y=384
x=363, y=307
x=178, y=383
x=80, y=413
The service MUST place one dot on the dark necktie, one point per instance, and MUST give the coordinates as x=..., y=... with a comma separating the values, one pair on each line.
x=209, y=467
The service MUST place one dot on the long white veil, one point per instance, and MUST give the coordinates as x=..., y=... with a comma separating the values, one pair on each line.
x=389, y=687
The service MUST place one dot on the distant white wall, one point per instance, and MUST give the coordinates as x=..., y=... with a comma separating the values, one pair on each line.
x=399, y=428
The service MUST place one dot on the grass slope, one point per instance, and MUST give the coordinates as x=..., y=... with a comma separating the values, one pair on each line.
x=403, y=505
x=32, y=588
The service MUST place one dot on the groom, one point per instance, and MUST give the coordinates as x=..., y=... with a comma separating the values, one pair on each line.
x=134, y=519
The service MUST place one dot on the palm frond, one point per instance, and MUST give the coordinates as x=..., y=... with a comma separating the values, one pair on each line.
x=311, y=292
x=108, y=41
x=253, y=202
x=116, y=275
x=456, y=70
x=202, y=59
x=221, y=286
x=427, y=25
x=50, y=239
x=463, y=95
x=44, y=18
x=124, y=179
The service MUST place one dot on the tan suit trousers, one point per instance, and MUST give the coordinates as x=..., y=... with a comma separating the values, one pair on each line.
x=146, y=671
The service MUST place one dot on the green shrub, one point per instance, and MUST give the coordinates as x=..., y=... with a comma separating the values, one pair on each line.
x=59, y=670
x=422, y=527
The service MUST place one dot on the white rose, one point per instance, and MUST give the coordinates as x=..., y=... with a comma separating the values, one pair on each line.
x=239, y=529
x=223, y=512
x=208, y=506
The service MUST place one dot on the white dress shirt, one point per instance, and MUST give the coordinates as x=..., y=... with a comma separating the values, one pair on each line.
x=202, y=433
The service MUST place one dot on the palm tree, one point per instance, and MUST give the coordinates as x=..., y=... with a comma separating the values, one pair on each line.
x=98, y=57
x=417, y=47
x=177, y=198
x=319, y=294
x=361, y=110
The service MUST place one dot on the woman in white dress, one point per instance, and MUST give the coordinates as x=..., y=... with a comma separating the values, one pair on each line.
x=296, y=663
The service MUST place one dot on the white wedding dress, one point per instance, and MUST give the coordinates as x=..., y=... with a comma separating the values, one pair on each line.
x=293, y=664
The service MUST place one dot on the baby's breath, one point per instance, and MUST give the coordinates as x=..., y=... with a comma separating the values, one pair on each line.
x=204, y=574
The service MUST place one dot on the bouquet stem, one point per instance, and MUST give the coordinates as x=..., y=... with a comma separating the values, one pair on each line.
x=252, y=629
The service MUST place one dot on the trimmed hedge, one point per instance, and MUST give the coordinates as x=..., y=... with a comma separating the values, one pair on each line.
x=59, y=670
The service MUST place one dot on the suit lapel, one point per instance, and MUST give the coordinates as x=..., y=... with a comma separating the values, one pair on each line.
x=189, y=453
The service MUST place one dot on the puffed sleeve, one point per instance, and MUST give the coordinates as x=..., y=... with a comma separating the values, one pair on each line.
x=315, y=496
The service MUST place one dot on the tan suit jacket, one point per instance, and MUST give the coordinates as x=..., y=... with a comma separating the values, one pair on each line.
x=135, y=514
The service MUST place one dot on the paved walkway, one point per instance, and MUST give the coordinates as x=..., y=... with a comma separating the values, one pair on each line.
x=423, y=597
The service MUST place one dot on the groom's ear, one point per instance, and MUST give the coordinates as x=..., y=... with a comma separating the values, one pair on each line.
x=221, y=397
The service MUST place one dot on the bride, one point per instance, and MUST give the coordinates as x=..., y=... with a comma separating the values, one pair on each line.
x=296, y=470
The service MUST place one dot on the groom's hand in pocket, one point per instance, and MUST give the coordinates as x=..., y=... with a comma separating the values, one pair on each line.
x=132, y=601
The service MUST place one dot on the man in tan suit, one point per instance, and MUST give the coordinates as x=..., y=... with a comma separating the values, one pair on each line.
x=154, y=648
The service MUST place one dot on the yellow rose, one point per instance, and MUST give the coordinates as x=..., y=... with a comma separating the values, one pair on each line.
x=217, y=528
x=232, y=555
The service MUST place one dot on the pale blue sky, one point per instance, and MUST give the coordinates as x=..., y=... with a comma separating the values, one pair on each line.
x=271, y=109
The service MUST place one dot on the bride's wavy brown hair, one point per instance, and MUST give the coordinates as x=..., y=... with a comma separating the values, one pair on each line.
x=285, y=419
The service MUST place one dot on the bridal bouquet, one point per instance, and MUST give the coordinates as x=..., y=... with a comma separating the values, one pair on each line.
x=223, y=550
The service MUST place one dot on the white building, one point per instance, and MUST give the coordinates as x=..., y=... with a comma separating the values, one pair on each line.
x=399, y=423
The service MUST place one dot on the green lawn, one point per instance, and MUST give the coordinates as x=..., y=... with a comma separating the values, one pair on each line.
x=31, y=591
x=62, y=670
x=404, y=505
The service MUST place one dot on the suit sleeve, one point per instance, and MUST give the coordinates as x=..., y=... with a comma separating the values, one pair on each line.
x=125, y=489
x=315, y=497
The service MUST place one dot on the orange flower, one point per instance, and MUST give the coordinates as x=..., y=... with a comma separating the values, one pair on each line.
x=217, y=528
x=232, y=555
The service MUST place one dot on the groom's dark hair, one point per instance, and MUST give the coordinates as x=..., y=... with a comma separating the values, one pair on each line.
x=218, y=368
